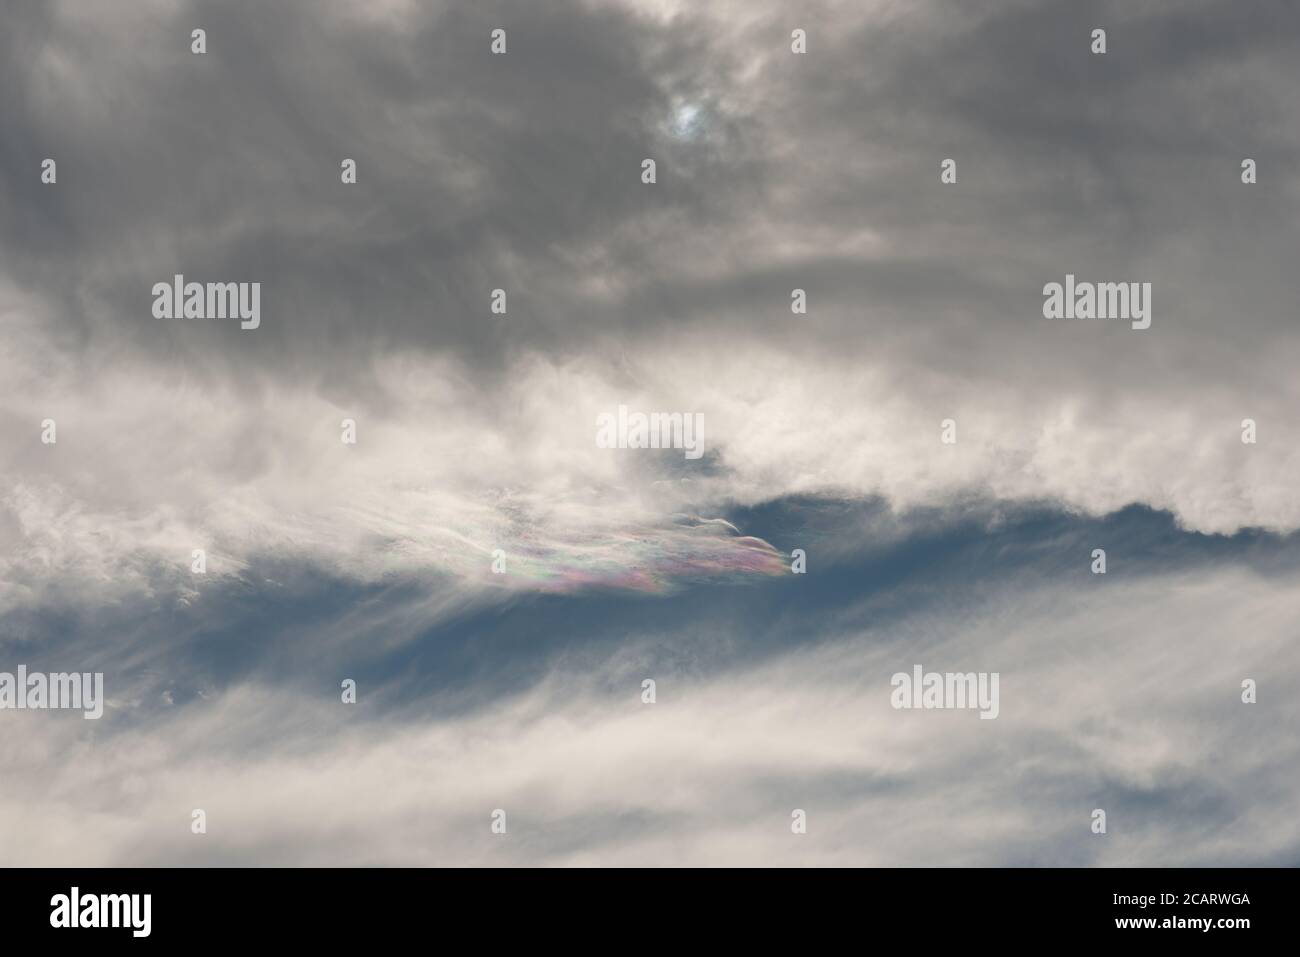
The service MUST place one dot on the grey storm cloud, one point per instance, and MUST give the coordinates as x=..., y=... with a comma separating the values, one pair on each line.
x=521, y=172
x=475, y=172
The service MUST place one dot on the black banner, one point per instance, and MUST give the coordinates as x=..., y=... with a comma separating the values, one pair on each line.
x=1224, y=907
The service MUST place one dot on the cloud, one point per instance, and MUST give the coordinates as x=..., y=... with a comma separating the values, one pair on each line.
x=445, y=471
x=476, y=431
x=1095, y=712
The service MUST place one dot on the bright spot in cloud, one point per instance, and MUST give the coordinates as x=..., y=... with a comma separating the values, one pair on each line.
x=687, y=120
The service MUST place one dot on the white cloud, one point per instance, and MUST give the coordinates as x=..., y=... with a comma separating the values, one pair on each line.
x=1095, y=712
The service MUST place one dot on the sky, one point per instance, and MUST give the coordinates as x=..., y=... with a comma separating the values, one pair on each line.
x=498, y=585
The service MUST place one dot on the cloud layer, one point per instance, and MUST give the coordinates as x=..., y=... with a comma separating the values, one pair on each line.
x=518, y=688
